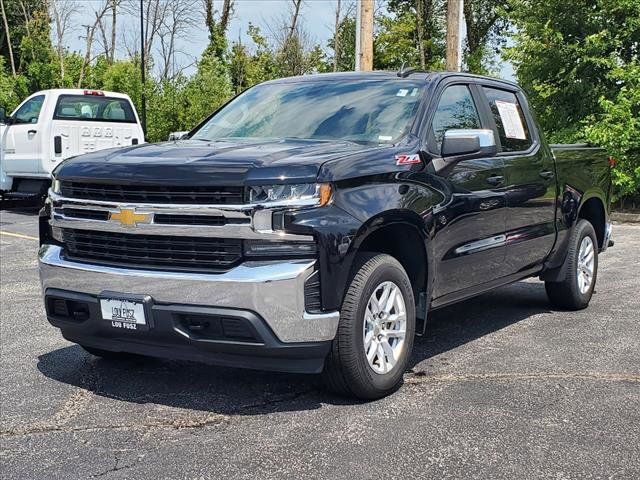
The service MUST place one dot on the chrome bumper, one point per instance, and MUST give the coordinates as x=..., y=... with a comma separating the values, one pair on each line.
x=274, y=290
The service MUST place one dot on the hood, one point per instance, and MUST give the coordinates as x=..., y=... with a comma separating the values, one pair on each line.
x=196, y=162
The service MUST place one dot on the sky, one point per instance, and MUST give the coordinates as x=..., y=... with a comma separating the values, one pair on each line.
x=318, y=17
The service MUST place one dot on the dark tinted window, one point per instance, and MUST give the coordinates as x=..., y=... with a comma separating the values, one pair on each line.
x=94, y=108
x=512, y=125
x=29, y=112
x=456, y=110
x=360, y=111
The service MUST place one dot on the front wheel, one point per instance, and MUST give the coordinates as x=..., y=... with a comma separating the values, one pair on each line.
x=575, y=291
x=375, y=335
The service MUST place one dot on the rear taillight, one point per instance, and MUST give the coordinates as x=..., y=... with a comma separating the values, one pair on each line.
x=96, y=93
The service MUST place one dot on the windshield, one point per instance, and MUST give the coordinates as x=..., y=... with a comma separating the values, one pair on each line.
x=358, y=111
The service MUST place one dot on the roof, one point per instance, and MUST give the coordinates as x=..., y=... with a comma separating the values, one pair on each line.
x=79, y=91
x=382, y=75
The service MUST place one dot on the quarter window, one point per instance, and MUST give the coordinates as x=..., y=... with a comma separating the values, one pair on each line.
x=456, y=110
x=510, y=120
x=29, y=112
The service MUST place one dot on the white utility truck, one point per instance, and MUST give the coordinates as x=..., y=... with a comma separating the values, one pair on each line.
x=53, y=125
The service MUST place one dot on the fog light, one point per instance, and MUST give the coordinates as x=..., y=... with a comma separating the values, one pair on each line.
x=259, y=248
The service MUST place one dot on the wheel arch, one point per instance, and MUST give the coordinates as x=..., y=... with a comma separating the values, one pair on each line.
x=592, y=208
x=403, y=235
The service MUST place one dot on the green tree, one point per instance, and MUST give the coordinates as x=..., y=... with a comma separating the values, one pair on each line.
x=578, y=60
x=617, y=129
x=486, y=23
x=347, y=53
x=209, y=88
x=12, y=89
x=564, y=54
x=37, y=59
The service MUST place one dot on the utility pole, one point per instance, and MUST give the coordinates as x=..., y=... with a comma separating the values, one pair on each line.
x=364, y=35
x=143, y=109
x=453, y=35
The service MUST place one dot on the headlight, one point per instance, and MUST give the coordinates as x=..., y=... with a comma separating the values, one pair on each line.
x=55, y=186
x=303, y=193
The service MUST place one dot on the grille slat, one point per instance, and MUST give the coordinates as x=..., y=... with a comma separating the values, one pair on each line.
x=152, y=251
x=154, y=194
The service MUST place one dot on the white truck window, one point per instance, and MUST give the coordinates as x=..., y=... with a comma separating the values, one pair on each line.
x=29, y=112
x=94, y=108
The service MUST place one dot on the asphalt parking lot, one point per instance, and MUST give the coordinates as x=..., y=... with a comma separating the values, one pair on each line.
x=501, y=387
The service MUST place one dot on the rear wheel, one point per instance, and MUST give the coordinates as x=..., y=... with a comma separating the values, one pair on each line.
x=375, y=335
x=575, y=291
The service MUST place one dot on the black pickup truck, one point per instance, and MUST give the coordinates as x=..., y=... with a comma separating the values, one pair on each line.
x=312, y=223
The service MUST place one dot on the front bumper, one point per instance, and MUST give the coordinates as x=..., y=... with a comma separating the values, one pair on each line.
x=267, y=297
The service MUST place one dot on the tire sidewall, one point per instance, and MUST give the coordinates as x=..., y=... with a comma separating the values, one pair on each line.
x=394, y=273
x=585, y=229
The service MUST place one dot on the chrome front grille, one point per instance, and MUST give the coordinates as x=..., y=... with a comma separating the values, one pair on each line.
x=152, y=251
x=194, y=237
x=216, y=195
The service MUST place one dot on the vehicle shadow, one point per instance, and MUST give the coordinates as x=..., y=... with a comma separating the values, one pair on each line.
x=231, y=391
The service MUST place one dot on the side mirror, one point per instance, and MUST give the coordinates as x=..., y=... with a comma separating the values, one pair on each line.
x=174, y=136
x=459, y=145
x=3, y=115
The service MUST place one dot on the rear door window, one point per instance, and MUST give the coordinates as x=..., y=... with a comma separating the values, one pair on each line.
x=456, y=110
x=510, y=120
x=94, y=108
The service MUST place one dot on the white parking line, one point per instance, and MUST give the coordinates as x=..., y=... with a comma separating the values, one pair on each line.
x=18, y=235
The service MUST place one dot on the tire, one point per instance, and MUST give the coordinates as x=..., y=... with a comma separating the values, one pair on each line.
x=347, y=370
x=107, y=354
x=572, y=293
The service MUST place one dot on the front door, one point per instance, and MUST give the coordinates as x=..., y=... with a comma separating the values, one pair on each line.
x=469, y=242
x=24, y=139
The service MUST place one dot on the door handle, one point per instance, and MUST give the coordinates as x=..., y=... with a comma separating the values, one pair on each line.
x=547, y=174
x=31, y=132
x=495, y=180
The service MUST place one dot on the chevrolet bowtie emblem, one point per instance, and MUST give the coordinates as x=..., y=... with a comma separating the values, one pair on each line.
x=129, y=218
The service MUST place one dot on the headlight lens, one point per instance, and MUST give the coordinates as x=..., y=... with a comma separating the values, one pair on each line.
x=307, y=193
x=55, y=186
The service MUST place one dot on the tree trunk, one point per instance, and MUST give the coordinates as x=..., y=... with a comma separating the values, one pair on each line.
x=6, y=28
x=225, y=15
x=208, y=16
x=114, y=8
x=366, y=35
x=294, y=19
x=336, y=39
x=453, y=34
x=87, y=55
x=420, y=23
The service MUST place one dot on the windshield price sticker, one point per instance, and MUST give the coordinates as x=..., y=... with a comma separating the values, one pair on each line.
x=511, y=120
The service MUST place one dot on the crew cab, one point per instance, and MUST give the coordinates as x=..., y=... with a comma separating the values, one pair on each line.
x=52, y=125
x=312, y=223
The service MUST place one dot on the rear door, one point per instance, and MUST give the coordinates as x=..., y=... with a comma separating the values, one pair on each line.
x=470, y=224
x=23, y=145
x=91, y=122
x=530, y=184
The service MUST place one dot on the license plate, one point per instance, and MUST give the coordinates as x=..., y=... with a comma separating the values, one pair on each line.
x=126, y=314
